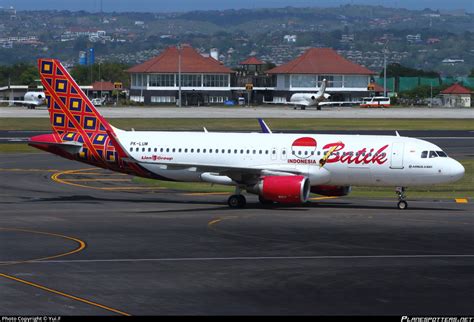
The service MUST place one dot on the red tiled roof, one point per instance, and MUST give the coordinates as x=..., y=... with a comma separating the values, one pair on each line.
x=379, y=88
x=321, y=61
x=456, y=89
x=191, y=62
x=252, y=61
x=103, y=86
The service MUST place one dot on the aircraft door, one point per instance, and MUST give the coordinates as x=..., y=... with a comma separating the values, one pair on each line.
x=283, y=154
x=396, y=157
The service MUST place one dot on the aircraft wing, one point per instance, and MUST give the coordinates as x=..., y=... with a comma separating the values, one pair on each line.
x=219, y=168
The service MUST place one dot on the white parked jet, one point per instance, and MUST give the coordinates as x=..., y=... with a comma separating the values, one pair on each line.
x=31, y=100
x=304, y=100
x=279, y=168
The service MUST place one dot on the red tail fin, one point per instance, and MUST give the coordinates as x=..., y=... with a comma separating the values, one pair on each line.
x=70, y=110
x=72, y=115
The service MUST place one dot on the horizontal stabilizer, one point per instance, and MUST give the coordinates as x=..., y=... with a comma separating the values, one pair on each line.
x=71, y=147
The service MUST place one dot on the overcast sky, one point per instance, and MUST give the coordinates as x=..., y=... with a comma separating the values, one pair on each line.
x=186, y=5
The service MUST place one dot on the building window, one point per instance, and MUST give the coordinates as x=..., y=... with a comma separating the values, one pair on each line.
x=216, y=81
x=162, y=99
x=161, y=80
x=304, y=81
x=217, y=99
x=137, y=99
x=356, y=81
x=191, y=80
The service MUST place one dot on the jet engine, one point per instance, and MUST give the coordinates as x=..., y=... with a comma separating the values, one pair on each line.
x=283, y=189
x=332, y=191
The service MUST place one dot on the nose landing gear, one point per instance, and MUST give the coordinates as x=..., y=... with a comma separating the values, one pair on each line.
x=402, y=204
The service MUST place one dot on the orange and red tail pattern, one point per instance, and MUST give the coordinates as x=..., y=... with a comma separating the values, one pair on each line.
x=72, y=115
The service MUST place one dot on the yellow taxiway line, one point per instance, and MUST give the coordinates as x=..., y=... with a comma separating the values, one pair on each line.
x=82, y=246
x=72, y=297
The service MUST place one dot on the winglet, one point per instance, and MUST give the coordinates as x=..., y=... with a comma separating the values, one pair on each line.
x=264, y=126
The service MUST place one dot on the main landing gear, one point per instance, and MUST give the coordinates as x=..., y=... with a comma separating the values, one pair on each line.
x=402, y=204
x=237, y=200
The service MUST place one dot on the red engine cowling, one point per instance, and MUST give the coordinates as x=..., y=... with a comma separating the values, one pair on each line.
x=284, y=189
x=332, y=191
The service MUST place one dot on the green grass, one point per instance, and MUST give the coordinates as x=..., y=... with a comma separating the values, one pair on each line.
x=460, y=189
x=17, y=148
x=252, y=124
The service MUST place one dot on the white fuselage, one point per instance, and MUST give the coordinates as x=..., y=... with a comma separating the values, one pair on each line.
x=355, y=159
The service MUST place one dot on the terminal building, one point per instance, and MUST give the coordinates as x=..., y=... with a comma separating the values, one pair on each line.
x=205, y=80
x=346, y=80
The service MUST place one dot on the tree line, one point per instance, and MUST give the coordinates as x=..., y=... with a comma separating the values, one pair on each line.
x=27, y=74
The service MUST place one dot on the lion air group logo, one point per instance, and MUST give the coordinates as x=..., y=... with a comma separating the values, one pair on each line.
x=304, y=147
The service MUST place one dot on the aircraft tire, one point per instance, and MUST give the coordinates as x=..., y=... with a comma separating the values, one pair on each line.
x=236, y=201
x=402, y=204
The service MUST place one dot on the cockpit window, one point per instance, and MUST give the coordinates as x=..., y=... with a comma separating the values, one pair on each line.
x=433, y=154
x=424, y=154
x=442, y=154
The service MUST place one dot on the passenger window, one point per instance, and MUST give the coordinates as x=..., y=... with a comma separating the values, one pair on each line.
x=131, y=149
x=229, y=151
x=143, y=149
x=248, y=151
x=167, y=149
x=203, y=150
x=161, y=150
x=260, y=152
x=198, y=150
x=433, y=154
x=266, y=151
x=136, y=149
x=442, y=154
x=156, y=149
x=223, y=150
x=192, y=150
x=241, y=151
x=235, y=151
x=179, y=150
x=217, y=150
x=149, y=149
x=185, y=150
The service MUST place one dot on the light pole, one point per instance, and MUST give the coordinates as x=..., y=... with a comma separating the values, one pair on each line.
x=385, y=69
x=179, y=74
x=431, y=93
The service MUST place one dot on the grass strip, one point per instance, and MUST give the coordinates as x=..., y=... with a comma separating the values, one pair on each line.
x=251, y=124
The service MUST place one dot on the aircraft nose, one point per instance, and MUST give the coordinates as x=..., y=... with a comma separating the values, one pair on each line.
x=455, y=170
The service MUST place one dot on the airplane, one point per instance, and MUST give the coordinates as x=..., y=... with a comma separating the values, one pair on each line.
x=304, y=100
x=279, y=168
x=31, y=100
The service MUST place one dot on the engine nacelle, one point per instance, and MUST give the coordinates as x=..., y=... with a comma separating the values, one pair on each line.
x=284, y=189
x=331, y=191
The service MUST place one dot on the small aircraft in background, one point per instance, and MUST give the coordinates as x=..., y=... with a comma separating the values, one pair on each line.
x=310, y=99
x=304, y=100
x=31, y=100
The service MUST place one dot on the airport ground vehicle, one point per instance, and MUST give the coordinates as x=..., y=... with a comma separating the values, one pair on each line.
x=279, y=168
x=375, y=101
